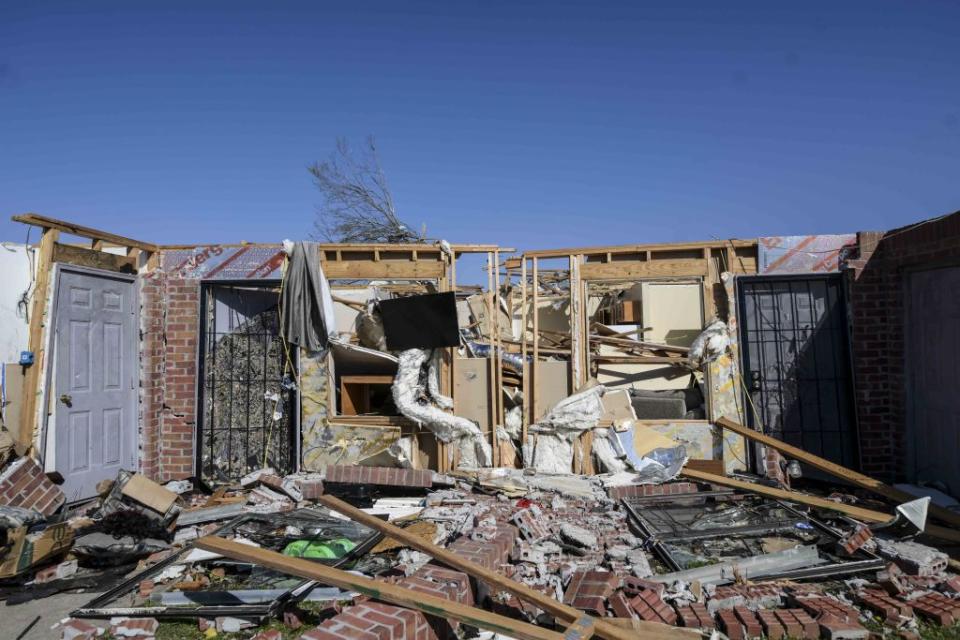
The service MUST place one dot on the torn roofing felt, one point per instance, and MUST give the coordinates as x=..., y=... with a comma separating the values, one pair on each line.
x=305, y=298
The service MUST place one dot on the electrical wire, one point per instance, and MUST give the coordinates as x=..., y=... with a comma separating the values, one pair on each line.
x=288, y=364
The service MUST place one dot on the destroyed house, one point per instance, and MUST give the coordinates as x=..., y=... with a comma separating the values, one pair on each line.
x=178, y=361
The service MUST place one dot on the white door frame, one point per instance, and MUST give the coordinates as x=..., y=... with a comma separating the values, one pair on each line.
x=50, y=356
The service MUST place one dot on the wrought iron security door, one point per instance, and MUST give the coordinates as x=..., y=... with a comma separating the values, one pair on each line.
x=796, y=362
x=247, y=417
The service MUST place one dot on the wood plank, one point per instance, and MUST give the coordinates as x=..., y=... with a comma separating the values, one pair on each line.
x=31, y=383
x=637, y=270
x=637, y=344
x=563, y=612
x=867, y=515
x=385, y=269
x=84, y=257
x=378, y=590
x=680, y=362
x=82, y=231
x=636, y=248
x=854, y=477
x=525, y=380
x=531, y=400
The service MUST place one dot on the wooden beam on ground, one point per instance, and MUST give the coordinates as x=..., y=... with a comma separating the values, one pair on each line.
x=834, y=469
x=97, y=259
x=564, y=613
x=385, y=591
x=31, y=383
x=84, y=232
x=867, y=515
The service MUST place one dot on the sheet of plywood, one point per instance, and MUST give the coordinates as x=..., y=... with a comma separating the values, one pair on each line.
x=471, y=391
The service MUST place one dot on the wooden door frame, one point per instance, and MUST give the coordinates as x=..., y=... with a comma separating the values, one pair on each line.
x=50, y=363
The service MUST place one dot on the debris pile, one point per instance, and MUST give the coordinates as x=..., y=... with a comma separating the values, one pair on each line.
x=269, y=555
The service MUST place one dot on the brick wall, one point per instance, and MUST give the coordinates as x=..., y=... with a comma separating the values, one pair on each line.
x=151, y=371
x=170, y=317
x=876, y=281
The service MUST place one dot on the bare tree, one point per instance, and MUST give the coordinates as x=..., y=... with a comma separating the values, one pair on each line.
x=357, y=204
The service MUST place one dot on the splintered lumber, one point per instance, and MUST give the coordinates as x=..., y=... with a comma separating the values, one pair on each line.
x=603, y=331
x=679, y=362
x=385, y=591
x=31, y=383
x=563, y=612
x=834, y=469
x=85, y=232
x=867, y=515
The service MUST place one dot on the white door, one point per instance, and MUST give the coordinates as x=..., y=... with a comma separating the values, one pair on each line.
x=96, y=379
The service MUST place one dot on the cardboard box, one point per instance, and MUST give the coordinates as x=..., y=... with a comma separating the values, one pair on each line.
x=30, y=550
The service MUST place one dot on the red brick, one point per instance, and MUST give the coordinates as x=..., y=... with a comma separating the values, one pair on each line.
x=43, y=496
x=588, y=590
x=730, y=624
x=751, y=623
x=938, y=608
x=620, y=605
x=695, y=616
x=773, y=629
x=891, y=609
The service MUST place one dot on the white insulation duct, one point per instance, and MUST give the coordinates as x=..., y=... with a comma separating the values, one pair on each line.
x=416, y=403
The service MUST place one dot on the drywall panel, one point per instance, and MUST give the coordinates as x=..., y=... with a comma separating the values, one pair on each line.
x=672, y=312
x=552, y=384
x=552, y=315
x=16, y=267
x=643, y=376
x=471, y=390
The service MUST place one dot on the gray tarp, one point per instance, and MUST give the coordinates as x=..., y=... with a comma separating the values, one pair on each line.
x=307, y=305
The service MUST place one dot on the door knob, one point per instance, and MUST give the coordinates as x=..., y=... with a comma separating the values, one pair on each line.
x=66, y=399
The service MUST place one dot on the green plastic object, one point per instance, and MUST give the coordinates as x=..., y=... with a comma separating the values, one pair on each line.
x=319, y=549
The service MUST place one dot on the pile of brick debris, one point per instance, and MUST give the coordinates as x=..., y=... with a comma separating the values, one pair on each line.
x=493, y=553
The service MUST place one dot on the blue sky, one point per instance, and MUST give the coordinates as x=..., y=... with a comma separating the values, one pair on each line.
x=528, y=124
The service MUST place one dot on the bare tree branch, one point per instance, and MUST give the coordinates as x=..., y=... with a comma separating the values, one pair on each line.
x=357, y=204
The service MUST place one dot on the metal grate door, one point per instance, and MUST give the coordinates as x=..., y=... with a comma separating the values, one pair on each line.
x=796, y=362
x=247, y=417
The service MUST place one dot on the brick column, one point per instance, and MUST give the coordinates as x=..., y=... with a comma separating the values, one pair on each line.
x=179, y=422
x=152, y=304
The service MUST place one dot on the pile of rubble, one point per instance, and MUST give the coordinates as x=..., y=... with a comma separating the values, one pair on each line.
x=496, y=553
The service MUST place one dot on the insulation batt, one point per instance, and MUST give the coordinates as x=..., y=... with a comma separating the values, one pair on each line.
x=574, y=414
x=710, y=344
x=407, y=392
x=513, y=422
x=553, y=452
